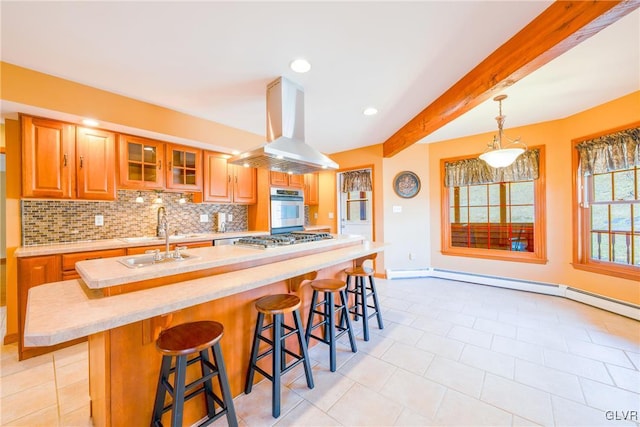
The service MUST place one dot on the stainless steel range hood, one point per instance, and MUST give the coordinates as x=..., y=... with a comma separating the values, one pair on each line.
x=285, y=150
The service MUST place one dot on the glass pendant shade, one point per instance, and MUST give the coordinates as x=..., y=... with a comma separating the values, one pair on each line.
x=496, y=156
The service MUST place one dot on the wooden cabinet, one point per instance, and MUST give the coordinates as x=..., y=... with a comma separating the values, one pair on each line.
x=69, y=260
x=65, y=162
x=311, y=193
x=95, y=164
x=184, y=168
x=48, y=158
x=225, y=183
x=283, y=179
x=141, y=163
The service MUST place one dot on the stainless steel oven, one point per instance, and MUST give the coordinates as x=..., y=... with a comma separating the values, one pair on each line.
x=287, y=210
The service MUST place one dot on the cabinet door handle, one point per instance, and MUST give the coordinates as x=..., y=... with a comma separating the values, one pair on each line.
x=81, y=158
x=64, y=162
x=236, y=179
x=159, y=164
x=170, y=166
x=229, y=176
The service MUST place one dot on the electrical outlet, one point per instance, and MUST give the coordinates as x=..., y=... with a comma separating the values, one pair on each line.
x=99, y=220
x=315, y=215
x=229, y=217
x=204, y=218
x=330, y=215
x=410, y=256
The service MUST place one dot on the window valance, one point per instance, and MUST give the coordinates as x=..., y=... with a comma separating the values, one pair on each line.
x=608, y=153
x=359, y=180
x=475, y=171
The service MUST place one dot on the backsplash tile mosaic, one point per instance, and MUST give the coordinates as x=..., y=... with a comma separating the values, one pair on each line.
x=60, y=221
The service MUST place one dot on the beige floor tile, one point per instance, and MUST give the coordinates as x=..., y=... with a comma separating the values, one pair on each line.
x=480, y=312
x=522, y=422
x=572, y=414
x=72, y=373
x=600, y=352
x=305, y=414
x=424, y=309
x=73, y=396
x=367, y=370
x=519, y=349
x=28, y=401
x=47, y=417
x=628, y=379
x=410, y=418
x=518, y=399
x=578, y=365
x=475, y=413
x=457, y=318
x=495, y=327
x=328, y=388
x=488, y=360
x=26, y=379
x=542, y=337
x=71, y=354
x=634, y=357
x=320, y=354
x=456, y=375
x=397, y=304
x=401, y=333
x=409, y=358
x=620, y=342
x=608, y=398
x=365, y=407
x=432, y=325
x=471, y=336
x=77, y=418
x=376, y=346
x=441, y=346
x=419, y=394
x=396, y=316
x=550, y=380
x=11, y=365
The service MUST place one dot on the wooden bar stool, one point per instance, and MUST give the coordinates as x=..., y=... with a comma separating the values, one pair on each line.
x=328, y=316
x=277, y=306
x=180, y=342
x=361, y=292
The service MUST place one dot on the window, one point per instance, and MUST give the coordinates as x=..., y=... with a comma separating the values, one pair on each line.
x=607, y=203
x=494, y=213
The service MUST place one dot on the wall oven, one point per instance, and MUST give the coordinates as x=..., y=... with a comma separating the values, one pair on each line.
x=287, y=210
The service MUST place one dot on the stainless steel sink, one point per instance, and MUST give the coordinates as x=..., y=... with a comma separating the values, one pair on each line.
x=146, y=260
x=139, y=239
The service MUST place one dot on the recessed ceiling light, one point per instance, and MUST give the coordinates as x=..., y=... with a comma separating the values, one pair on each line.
x=370, y=111
x=235, y=152
x=90, y=122
x=300, y=65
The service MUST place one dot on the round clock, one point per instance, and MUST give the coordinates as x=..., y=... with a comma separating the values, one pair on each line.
x=406, y=184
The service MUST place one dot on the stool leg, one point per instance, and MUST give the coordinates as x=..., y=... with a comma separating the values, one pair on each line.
x=354, y=291
x=227, y=398
x=208, y=385
x=178, y=389
x=277, y=355
x=307, y=334
x=303, y=348
x=363, y=302
x=161, y=391
x=375, y=302
x=344, y=314
x=331, y=321
x=254, y=353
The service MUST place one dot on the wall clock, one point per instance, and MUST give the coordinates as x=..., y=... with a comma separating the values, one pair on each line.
x=406, y=184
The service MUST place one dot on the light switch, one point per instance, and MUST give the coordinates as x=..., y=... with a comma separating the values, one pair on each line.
x=99, y=220
x=330, y=215
x=397, y=208
x=204, y=218
x=229, y=217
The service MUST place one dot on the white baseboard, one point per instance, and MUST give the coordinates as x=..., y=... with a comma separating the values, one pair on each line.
x=615, y=306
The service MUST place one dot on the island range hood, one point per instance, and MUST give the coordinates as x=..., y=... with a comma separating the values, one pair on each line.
x=285, y=150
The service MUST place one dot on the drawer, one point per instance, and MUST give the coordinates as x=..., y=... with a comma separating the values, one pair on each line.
x=69, y=260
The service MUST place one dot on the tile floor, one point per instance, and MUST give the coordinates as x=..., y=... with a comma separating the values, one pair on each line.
x=451, y=353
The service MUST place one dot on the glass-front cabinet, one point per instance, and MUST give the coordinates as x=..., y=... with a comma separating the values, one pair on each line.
x=141, y=163
x=184, y=170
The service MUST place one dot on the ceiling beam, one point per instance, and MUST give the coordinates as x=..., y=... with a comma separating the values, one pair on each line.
x=560, y=27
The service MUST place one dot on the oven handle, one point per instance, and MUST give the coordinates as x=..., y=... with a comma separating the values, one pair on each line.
x=287, y=198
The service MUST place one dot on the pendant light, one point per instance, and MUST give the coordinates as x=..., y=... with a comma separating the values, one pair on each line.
x=497, y=155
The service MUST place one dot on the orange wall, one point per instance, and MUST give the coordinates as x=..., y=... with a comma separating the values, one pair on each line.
x=13, y=223
x=556, y=136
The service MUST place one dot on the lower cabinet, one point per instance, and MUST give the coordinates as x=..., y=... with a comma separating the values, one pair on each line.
x=143, y=249
x=69, y=260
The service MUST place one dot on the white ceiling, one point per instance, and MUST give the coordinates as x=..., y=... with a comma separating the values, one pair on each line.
x=214, y=59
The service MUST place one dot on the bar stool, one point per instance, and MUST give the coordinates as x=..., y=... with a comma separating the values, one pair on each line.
x=361, y=292
x=328, y=316
x=278, y=306
x=180, y=342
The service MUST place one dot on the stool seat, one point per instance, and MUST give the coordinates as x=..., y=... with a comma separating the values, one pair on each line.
x=278, y=304
x=328, y=285
x=359, y=271
x=189, y=338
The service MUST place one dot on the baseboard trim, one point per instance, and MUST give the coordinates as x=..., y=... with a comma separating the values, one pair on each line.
x=622, y=308
x=10, y=339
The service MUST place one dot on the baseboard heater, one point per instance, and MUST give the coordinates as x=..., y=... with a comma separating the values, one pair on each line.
x=610, y=304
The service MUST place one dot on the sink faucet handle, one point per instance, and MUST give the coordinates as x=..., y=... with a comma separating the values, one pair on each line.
x=155, y=252
x=177, y=254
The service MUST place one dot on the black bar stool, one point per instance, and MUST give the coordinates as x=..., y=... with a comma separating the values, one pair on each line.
x=328, y=316
x=278, y=306
x=180, y=342
x=361, y=292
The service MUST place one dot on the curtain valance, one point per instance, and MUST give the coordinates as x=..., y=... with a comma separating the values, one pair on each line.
x=608, y=153
x=475, y=171
x=359, y=180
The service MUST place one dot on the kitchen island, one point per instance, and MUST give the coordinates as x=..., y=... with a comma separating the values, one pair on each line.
x=218, y=283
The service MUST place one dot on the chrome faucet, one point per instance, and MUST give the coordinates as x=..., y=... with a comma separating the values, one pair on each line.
x=163, y=227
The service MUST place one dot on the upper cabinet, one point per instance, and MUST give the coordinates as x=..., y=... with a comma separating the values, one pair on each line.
x=283, y=179
x=311, y=197
x=141, y=163
x=62, y=161
x=184, y=168
x=225, y=183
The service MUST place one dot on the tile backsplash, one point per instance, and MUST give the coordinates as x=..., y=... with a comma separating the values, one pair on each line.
x=58, y=221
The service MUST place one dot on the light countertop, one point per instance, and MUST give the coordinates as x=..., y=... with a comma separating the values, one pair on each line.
x=62, y=311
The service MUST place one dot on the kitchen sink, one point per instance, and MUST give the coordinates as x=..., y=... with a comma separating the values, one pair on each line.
x=146, y=260
x=139, y=239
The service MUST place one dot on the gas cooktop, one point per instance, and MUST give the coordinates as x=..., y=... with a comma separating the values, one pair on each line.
x=275, y=240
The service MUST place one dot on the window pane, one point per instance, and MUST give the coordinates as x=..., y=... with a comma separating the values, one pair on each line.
x=494, y=194
x=637, y=183
x=636, y=218
x=621, y=217
x=522, y=214
x=621, y=248
x=600, y=246
x=477, y=195
x=452, y=196
x=464, y=196
x=478, y=214
x=623, y=185
x=521, y=193
x=602, y=188
x=600, y=217
x=494, y=214
x=135, y=152
x=464, y=215
x=636, y=250
x=149, y=154
x=178, y=158
x=190, y=160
